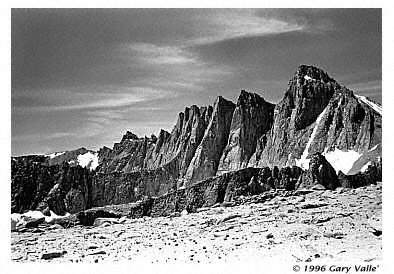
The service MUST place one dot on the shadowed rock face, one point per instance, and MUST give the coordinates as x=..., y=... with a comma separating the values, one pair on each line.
x=60, y=188
x=252, y=117
x=308, y=93
x=126, y=156
x=316, y=115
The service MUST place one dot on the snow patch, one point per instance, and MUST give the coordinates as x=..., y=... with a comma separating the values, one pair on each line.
x=342, y=160
x=376, y=107
x=88, y=159
x=364, y=168
x=19, y=219
x=53, y=155
x=306, y=77
x=303, y=162
x=375, y=147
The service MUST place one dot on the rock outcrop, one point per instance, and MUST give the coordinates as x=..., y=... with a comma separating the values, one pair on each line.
x=181, y=144
x=126, y=156
x=60, y=188
x=252, y=117
x=206, y=159
x=320, y=172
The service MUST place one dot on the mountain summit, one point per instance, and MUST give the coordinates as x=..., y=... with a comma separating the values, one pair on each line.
x=316, y=116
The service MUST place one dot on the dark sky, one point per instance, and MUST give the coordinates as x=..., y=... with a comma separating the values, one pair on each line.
x=82, y=77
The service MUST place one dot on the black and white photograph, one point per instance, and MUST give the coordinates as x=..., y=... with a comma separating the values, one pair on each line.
x=197, y=136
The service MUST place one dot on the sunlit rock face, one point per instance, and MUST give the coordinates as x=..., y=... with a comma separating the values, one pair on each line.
x=206, y=159
x=319, y=115
x=252, y=117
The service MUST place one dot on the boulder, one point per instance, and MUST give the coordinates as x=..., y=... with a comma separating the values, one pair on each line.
x=100, y=221
x=320, y=172
x=88, y=217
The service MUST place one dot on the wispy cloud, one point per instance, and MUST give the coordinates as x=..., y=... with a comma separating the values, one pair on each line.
x=42, y=137
x=147, y=53
x=227, y=24
x=91, y=98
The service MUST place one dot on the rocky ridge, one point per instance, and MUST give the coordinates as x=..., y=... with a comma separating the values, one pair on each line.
x=316, y=115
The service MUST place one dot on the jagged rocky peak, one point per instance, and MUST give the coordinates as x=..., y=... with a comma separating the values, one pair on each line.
x=206, y=158
x=178, y=147
x=252, y=117
x=319, y=115
x=308, y=93
x=129, y=136
x=311, y=73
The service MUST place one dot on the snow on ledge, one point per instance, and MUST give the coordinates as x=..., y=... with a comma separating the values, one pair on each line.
x=35, y=214
x=306, y=77
x=303, y=162
x=88, y=159
x=53, y=155
x=365, y=167
x=376, y=107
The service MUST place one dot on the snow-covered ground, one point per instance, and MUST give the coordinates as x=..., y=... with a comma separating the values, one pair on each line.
x=18, y=219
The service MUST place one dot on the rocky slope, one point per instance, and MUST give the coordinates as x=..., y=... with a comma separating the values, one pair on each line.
x=318, y=227
x=278, y=143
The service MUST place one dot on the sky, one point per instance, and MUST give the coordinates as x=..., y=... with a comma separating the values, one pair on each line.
x=83, y=77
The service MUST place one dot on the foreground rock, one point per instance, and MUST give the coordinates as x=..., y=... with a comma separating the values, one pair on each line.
x=342, y=227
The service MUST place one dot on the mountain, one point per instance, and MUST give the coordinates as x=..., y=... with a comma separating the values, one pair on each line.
x=81, y=156
x=319, y=115
x=320, y=129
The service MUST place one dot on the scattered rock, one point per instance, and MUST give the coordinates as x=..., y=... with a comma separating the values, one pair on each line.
x=377, y=233
x=55, y=226
x=269, y=236
x=335, y=235
x=102, y=221
x=314, y=205
x=52, y=255
x=101, y=252
x=318, y=187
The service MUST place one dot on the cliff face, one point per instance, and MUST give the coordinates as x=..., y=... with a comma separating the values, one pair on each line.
x=316, y=115
x=126, y=156
x=206, y=158
x=252, y=117
x=37, y=185
x=319, y=115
